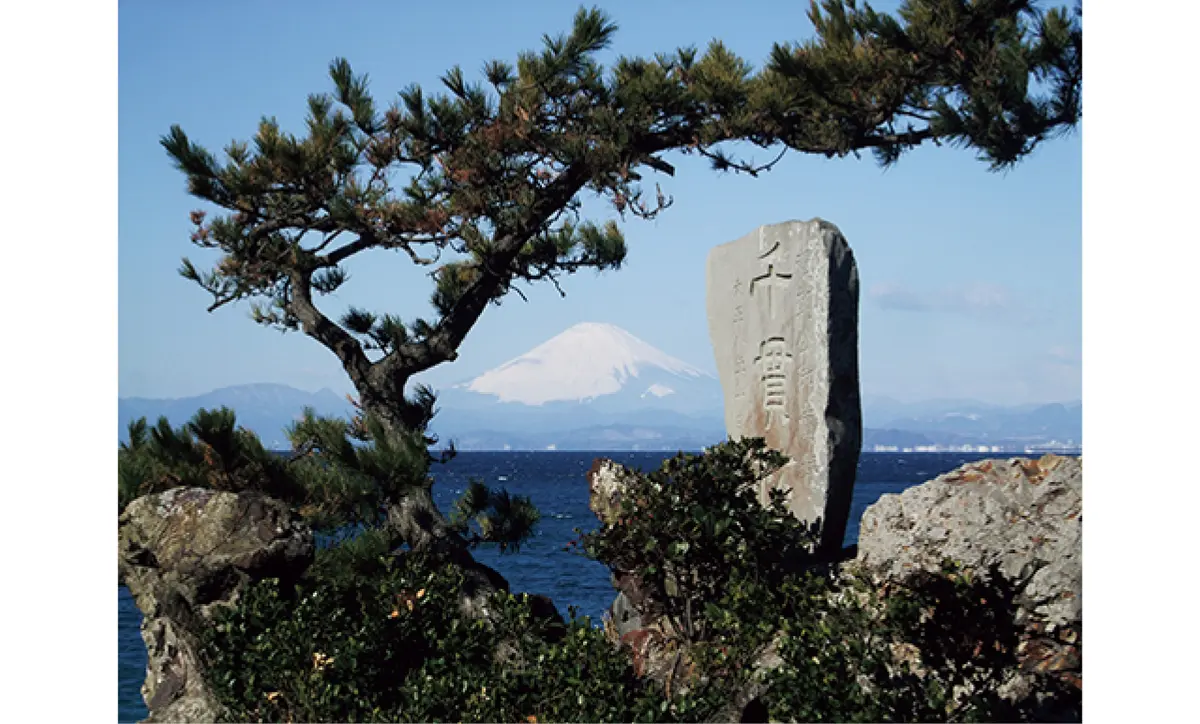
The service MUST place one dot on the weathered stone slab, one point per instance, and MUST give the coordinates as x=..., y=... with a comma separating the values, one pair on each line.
x=783, y=317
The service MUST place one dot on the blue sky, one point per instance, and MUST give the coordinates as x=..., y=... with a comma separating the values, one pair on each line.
x=971, y=280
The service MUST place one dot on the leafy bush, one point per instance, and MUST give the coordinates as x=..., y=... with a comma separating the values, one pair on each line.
x=370, y=634
x=367, y=636
x=694, y=533
x=936, y=649
x=735, y=579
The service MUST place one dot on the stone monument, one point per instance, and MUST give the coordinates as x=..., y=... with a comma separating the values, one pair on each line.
x=783, y=317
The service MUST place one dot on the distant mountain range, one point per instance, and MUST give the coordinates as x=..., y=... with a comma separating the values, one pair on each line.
x=965, y=421
x=597, y=387
x=267, y=409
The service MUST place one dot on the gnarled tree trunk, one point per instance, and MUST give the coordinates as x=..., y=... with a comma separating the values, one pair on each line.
x=416, y=520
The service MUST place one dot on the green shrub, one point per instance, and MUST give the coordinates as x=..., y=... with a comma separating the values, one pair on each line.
x=367, y=636
x=733, y=577
x=694, y=533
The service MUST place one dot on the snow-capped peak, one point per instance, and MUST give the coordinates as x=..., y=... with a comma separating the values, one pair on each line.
x=586, y=361
x=658, y=390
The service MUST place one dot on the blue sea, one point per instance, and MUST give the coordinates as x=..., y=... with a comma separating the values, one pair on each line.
x=557, y=484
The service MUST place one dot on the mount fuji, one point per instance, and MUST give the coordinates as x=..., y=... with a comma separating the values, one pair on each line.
x=592, y=375
x=596, y=364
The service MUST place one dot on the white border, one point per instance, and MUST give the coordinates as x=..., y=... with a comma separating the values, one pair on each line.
x=1139, y=371
x=59, y=202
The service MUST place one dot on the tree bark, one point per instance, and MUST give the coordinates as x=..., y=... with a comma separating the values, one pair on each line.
x=416, y=520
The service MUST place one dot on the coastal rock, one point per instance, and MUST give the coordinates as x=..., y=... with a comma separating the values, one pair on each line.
x=783, y=318
x=745, y=704
x=1022, y=519
x=184, y=553
x=606, y=480
x=631, y=620
x=1023, y=516
x=635, y=623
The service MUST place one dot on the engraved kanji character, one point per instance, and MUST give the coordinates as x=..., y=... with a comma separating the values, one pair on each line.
x=773, y=362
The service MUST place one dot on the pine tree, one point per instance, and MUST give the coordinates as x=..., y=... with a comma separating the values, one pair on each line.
x=335, y=476
x=491, y=172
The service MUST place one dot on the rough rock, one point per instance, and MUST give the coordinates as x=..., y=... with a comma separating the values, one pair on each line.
x=745, y=704
x=631, y=621
x=783, y=318
x=183, y=554
x=606, y=480
x=623, y=613
x=1022, y=518
x=1025, y=516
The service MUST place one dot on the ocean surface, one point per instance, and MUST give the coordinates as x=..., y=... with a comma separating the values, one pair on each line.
x=557, y=484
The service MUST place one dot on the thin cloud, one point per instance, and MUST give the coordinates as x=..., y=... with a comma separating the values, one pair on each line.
x=982, y=298
x=976, y=299
x=893, y=296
